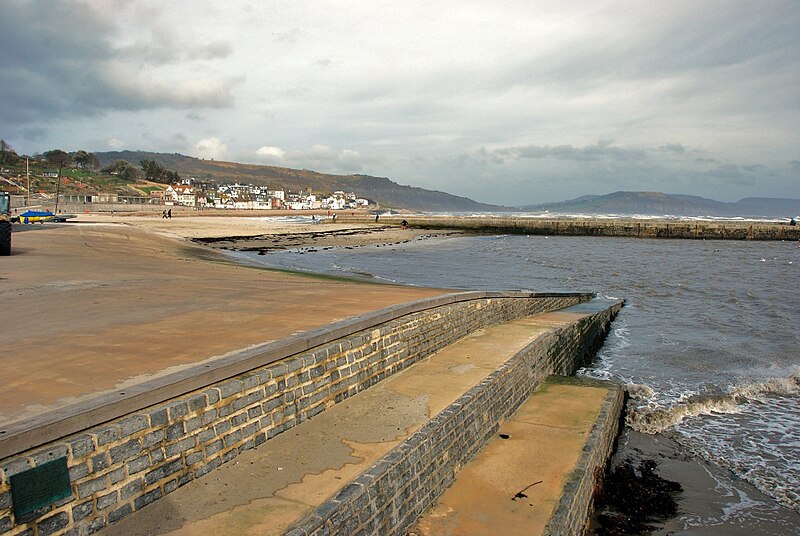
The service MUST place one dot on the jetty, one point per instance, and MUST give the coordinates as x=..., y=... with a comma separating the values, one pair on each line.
x=615, y=227
x=162, y=399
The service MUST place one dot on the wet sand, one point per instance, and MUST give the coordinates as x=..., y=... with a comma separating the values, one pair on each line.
x=712, y=498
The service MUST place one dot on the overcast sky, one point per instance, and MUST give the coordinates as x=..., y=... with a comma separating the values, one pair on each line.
x=508, y=102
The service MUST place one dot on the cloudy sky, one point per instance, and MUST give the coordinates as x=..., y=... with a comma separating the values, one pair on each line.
x=508, y=102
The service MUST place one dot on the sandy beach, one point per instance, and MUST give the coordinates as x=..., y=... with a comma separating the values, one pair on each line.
x=104, y=302
x=262, y=233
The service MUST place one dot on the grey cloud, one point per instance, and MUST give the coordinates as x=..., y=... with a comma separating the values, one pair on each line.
x=326, y=158
x=212, y=51
x=288, y=36
x=740, y=175
x=60, y=61
x=603, y=150
x=795, y=164
x=673, y=148
x=672, y=53
x=34, y=133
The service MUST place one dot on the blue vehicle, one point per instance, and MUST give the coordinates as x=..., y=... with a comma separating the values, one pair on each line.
x=41, y=216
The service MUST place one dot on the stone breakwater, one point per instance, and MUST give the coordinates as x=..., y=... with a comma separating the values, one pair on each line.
x=119, y=458
x=700, y=230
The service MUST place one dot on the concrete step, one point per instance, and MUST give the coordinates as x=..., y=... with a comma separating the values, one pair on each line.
x=293, y=479
x=516, y=482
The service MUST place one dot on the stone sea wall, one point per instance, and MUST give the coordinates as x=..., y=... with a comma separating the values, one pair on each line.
x=392, y=494
x=699, y=230
x=122, y=455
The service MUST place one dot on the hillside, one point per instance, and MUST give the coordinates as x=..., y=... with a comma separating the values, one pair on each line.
x=660, y=204
x=386, y=192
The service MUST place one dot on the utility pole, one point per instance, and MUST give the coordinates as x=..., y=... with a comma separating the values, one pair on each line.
x=28, y=173
x=58, y=186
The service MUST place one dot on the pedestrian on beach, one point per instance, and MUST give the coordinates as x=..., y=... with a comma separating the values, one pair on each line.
x=169, y=214
x=376, y=217
x=334, y=216
x=164, y=214
x=404, y=224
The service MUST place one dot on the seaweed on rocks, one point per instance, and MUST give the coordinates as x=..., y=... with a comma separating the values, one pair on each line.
x=633, y=499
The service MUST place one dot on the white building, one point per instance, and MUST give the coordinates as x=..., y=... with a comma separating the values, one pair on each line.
x=180, y=195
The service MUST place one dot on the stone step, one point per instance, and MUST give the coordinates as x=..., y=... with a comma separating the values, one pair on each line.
x=373, y=447
x=516, y=482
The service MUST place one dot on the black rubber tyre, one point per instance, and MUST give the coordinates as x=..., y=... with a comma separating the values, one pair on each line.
x=5, y=238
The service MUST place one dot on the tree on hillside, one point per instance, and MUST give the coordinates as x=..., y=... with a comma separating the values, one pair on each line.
x=152, y=169
x=61, y=159
x=124, y=169
x=155, y=172
x=7, y=153
x=85, y=160
x=58, y=157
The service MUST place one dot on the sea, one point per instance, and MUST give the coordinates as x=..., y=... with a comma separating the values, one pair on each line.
x=708, y=342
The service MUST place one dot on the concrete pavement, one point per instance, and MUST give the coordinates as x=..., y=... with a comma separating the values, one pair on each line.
x=92, y=308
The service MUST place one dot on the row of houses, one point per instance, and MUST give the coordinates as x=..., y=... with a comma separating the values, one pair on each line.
x=250, y=197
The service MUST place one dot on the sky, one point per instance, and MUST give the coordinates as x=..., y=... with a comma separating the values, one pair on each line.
x=505, y=102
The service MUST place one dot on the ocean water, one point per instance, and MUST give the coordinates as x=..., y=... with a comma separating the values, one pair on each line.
x=708, y=342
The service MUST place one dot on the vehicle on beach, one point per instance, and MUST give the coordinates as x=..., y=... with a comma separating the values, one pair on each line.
x=41, y=216
x=5, y=224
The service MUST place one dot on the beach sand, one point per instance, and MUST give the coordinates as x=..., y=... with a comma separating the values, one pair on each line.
x=255, y=228
x=94, y=306
x=714, y=502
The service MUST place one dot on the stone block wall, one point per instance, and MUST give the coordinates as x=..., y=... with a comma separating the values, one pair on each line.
x=701, y=230
x=121, y=466
x=391, y=495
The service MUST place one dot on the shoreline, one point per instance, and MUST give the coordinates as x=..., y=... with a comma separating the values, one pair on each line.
x=712, y=497
x=263, y=232
x=289, y=229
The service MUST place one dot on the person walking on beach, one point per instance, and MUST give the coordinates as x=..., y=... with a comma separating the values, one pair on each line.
x=403, y=224
x=169, y=214
x=376, y=217
x=163, y=214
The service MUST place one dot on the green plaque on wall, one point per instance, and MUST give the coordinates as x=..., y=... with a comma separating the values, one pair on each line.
x=38, y=487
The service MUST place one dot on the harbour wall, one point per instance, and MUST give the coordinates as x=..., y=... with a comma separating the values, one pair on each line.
x=697, y=230
x=124, y=450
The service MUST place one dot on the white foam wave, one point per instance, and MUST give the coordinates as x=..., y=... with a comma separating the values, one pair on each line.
x=360, y=273
x=653, y=418
x=546, y=214
x=640, y=391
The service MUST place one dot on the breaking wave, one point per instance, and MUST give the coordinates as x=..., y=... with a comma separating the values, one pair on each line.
x=651, y=417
